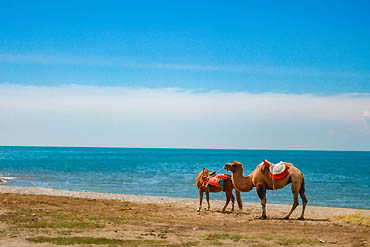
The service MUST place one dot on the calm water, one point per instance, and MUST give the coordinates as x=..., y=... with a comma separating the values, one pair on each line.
x=339, y=179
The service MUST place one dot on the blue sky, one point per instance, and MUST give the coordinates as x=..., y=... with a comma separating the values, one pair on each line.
x=317, y=51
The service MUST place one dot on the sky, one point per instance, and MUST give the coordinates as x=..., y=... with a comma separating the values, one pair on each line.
x=191, y=74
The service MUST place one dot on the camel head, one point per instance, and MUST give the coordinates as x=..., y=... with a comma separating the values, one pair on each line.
x=233, y=166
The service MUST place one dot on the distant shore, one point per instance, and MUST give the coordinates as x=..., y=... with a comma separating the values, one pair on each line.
x=315, y=210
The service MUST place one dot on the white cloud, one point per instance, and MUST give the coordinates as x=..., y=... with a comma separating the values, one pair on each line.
x=116, y=116
x=111, y=62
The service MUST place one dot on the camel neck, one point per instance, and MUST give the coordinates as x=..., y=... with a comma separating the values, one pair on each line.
x=241, y=183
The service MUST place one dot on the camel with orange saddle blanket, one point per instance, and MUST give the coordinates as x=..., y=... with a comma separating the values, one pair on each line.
x=268, y=176
x=212, y=182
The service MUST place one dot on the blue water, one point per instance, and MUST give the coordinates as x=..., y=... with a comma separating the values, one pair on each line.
x=333, y=178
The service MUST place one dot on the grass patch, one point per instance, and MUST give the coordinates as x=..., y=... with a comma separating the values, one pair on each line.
x=260, y=240
x=295, y=242
x=217, y=243
x=22, y=215
x=186, y=244
x=107, y=241
x=68, y=225
x=264, y=237
x=227, y=236
x=364, y=220
x=68, y=232
x=96, y=241
x=42, y=220
x=223, y=236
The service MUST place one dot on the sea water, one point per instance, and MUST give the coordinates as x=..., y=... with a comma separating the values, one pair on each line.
x=333, y=178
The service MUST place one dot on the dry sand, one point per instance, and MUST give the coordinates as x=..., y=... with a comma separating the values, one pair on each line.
x=29, y=213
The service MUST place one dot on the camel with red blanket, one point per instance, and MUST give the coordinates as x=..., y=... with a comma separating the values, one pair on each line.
x=212, y=182
x=268, y=176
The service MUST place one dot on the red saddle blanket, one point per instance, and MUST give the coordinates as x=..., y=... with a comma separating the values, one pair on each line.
x=217, y=180
x=278, y=171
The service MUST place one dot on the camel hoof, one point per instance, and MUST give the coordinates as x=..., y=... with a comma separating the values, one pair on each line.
x=301, y=218
x=286, y=218
x=263, y=217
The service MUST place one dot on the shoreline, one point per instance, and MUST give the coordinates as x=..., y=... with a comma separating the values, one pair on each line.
x=318, y=210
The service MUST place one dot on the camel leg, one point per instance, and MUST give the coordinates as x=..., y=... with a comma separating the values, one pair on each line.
x=295, y=199
x=304, y=201
x=232, y=201
x=207, y=197
x=261, y=191
x=227, y=193
x=200, y=201
x=295, y=204
x=239, y=199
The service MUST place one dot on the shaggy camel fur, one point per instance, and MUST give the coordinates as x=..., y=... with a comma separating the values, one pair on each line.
x=228, y=187
x=262, y=180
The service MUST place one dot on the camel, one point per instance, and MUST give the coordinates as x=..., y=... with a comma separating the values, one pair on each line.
x=202, y=180
x=262, y=180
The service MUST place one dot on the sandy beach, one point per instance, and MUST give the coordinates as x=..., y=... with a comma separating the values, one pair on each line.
x=31, y=216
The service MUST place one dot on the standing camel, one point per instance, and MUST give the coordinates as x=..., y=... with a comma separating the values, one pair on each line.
x=203, y=186
x=262, y=180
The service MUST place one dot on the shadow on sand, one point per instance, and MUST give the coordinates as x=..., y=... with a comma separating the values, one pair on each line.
x=293, y=219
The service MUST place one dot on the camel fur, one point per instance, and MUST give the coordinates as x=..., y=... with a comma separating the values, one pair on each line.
x=262, y=180
x=228, y=187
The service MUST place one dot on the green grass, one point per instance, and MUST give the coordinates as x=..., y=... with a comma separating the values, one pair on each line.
x=254, y=239
x=217, y=243
x=42, y=220
x=295, y=242
x=62, y=224
x=107, y=241
x=186, y=244
x=223, y=236
x=364, y=220
x=264, y=237
x=227, y=236
x=23, y=215
x=96, y=241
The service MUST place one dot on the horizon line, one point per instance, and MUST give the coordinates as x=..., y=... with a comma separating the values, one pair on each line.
x=191, y=148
